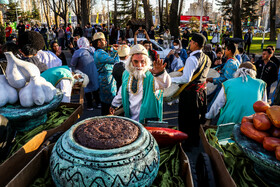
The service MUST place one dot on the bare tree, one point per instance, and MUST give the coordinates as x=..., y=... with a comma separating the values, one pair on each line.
x=77, y=9
x=46, y=10
x=272, y=19
x=85, y=12
x=236, y=19
x=135, y=6
x=160, y=7
x=148, y=14
x=180, y=10
x=115, y=12
x=59, y=7
x=166, y=12
x=173, y=25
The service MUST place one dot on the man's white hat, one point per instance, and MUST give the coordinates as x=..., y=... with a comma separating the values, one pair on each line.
x=138, y=49
x=123, y=51
x=98, y=35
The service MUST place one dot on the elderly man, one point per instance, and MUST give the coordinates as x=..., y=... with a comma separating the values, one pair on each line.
x=238, y=95
x=192, y=101
x=141, y=92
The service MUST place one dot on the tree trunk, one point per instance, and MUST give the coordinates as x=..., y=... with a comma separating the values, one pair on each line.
x=166, y=12
x=46, y=12
x=133, y=15
x=173, y=25
x=160, y=8
x=236, y=19
x=85, y=12
x=77, y=10
x=272, y=19
x=180, y=11
x=115, y=12
x=65, y=16
x=148, y=14
x=56, y=20
x=137, y=8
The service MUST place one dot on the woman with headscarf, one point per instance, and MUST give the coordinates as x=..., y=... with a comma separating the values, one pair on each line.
x=83, y=60
x=236, y=98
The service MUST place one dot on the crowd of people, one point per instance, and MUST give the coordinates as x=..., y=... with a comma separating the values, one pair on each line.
x=134, y=76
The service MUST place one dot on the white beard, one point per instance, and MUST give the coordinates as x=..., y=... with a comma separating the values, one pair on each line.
x=138, y=73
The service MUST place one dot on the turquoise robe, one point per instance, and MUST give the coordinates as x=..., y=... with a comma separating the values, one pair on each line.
x=107, y=84
x=152, y=104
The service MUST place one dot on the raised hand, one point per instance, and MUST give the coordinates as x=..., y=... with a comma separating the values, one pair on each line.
x=158, y=67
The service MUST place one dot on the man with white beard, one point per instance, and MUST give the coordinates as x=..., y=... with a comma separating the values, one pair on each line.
x=141, y=93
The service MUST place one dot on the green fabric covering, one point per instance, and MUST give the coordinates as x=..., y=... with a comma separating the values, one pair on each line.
x=240, y=167
x=152, y=104
x=55, y=118
x=169, y=168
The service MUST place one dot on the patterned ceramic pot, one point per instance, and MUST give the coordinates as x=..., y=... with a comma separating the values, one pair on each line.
x=136, y=164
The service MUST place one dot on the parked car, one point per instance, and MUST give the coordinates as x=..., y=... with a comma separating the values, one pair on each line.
x=163, y=52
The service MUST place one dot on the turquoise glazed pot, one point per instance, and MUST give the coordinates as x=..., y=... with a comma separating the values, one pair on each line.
x=136, y=164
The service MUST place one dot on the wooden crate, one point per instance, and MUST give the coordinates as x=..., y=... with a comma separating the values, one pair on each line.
x=24, y=155
x=222, y=175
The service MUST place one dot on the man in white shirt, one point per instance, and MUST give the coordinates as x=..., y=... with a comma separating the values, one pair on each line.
x=141, y=93
x=192, y=100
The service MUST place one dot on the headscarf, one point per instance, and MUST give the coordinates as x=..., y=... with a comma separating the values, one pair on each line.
x=246, y=68
x=84, y=43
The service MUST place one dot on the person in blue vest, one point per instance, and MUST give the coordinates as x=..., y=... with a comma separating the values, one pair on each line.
x=236, y=98
x=60, y=77
x=141, y=93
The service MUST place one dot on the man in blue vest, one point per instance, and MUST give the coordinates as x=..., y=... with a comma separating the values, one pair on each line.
x=141, y=93
x=236, y=98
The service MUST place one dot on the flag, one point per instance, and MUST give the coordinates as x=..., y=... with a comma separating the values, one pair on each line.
x=97, y=17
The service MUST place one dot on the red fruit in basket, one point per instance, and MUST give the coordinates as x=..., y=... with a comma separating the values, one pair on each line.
x=167, y=136
x=248, y=129
x=277, y=153
x=260, y=106
x=275, y=132
x=270, y=143
x=247, y=119
x=261, y=121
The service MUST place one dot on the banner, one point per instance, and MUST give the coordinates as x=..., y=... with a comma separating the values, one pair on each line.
x=187, y=18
